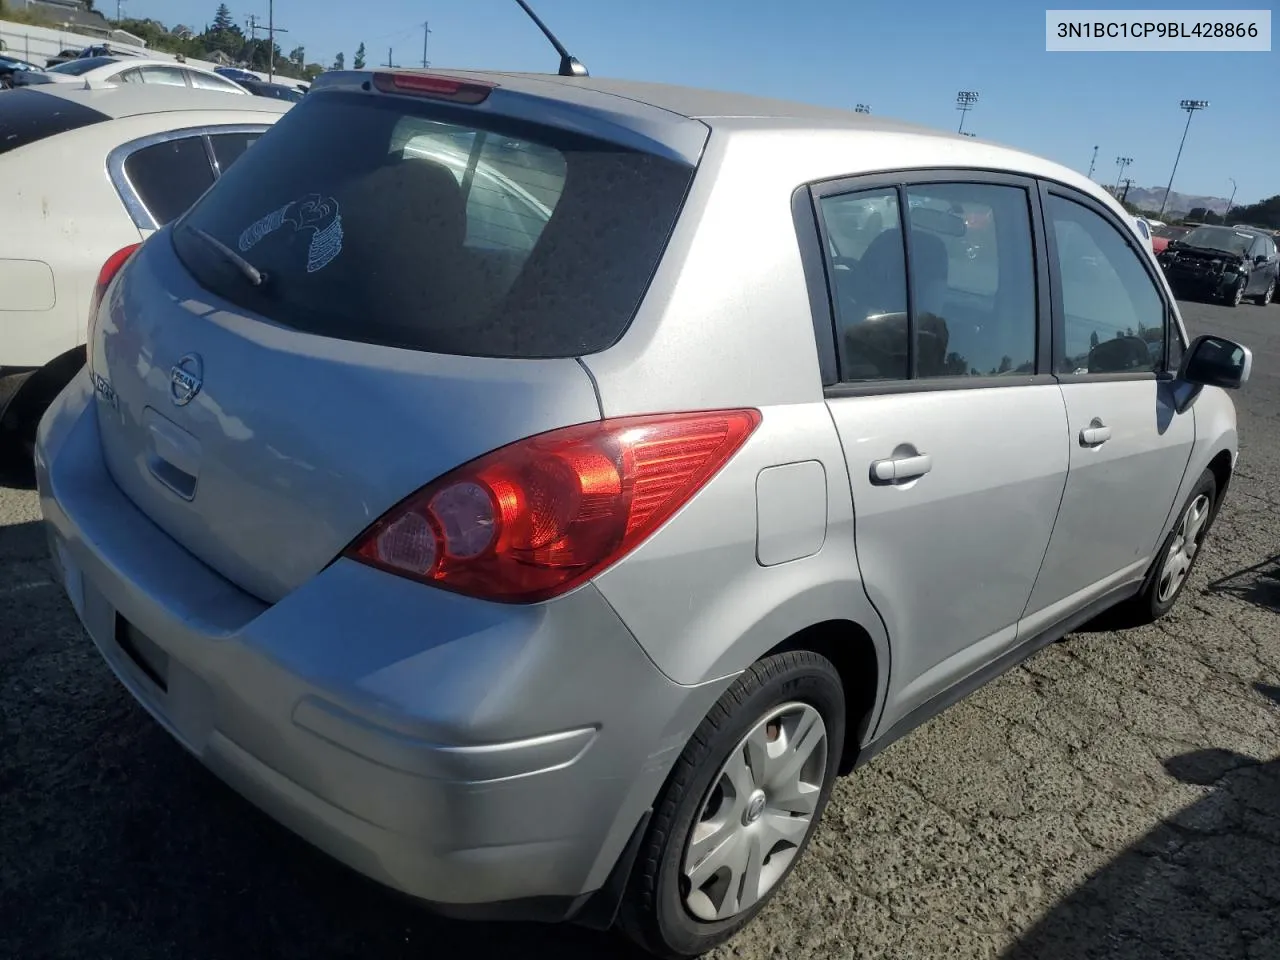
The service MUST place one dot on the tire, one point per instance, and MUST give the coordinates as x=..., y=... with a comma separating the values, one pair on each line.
x=1264, y=298
x=15, y=444
x=802, y=692
x=1163, y=585
x=1236, y=296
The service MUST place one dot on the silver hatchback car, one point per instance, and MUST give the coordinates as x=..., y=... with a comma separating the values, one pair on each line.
x=535, y=491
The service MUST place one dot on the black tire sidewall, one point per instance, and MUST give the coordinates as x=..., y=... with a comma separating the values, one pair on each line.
x=797, y=676
x=1206, y=484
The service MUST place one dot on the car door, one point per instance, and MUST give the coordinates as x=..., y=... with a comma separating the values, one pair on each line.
x=1263, y=271
x=952, y=425
x=1115, y=342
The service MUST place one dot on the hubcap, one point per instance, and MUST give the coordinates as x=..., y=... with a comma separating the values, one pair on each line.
x=1186, y=541
x=1239, y=294
x=1271, y=292
x=756, y=814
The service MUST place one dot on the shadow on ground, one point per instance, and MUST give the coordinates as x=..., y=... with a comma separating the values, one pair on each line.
x=115, y=843
x=1258, y=584
x=1204, y=884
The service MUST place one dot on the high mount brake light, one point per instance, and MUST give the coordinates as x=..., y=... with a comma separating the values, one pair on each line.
x=436, y=87
x=114, y=264
x=534, y=519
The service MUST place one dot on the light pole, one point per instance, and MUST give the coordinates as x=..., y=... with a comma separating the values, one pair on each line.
x=862, y=108
x=1093, y=162
x=965, y=100
x=1226, y=216
x=1191, y=106
x=1121, y=162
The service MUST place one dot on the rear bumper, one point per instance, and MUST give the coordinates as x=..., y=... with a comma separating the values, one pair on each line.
x=486, y=758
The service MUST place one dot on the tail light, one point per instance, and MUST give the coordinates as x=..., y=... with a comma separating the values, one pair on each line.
x=108, y=273
x=535, y=519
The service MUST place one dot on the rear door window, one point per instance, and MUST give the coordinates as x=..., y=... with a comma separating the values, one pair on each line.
x=166, y=76
x=28, y=116
x=229, y=147
x=399, y=221
x=170, y=176
x=204, y=81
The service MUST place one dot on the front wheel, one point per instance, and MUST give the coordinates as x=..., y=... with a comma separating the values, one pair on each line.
x=739, y=808
x=1265, y=297
x=1236, y=296
x=1178, y=553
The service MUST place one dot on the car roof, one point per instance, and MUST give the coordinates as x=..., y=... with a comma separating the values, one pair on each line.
x=694, y=103
x=135, y=61
x=733, y=113
x=131, y=100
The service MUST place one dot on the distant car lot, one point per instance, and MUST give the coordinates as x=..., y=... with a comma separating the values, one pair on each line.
x=1128, y=805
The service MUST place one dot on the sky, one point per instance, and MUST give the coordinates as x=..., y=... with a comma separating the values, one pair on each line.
x=905, y=60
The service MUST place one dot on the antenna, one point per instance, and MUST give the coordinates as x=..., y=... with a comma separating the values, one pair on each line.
x=570, y=66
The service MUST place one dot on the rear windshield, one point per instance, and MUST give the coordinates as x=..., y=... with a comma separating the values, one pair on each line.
x=396, y=221
x=27, y=116
x=80, y=67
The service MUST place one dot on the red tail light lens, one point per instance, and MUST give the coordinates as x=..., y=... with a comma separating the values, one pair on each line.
x=108, y=273
x=535, y=519
x=438, y=88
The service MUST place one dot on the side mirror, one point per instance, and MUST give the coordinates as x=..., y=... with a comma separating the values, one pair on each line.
x=1261, y=259
x=1217, y=362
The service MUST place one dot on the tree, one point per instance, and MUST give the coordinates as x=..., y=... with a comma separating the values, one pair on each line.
x=222, y=20
x=298, y=57
x=358, y=63
x=339, y=62
x=312, y=70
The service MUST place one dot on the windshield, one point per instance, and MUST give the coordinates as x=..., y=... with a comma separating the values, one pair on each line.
x=400, y=222
x=1219, y=238
x=78, y=68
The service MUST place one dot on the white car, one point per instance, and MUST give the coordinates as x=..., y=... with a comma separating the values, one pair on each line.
x=89, y=174
x=1143, y=227
x=114, y=70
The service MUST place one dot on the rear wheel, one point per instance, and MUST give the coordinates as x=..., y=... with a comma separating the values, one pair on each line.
x=16, y=440
x=739, y=808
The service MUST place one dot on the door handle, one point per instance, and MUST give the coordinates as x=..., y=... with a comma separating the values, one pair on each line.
x=1095, y=434
x=902, y=468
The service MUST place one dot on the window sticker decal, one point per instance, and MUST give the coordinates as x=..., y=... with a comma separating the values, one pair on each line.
x=318, y=214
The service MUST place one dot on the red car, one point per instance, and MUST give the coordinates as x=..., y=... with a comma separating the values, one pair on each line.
x=1161, y=236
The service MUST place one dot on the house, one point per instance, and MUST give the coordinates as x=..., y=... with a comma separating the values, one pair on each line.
x=70, y=14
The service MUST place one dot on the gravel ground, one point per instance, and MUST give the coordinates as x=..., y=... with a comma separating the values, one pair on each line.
x=1117, y=796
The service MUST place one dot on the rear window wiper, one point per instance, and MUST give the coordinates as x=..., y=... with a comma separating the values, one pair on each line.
x=247, y=269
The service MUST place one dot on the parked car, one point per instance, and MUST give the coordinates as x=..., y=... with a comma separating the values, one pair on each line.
x=236, y=74
x=518, y=569
x=1229, y=264
x=278, y=91
x=10, y=66
x=1163, y=234
x=63, y=56
x=112, y=71
x=1143, y=228
x=101, y=170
